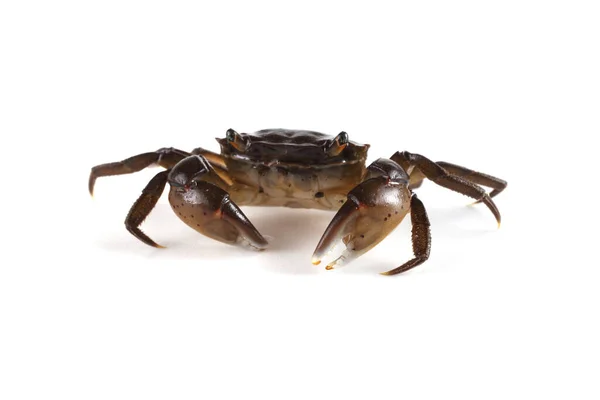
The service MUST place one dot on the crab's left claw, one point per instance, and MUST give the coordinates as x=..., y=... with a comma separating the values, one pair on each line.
x=373, y=209
x=207, y=209
x=198, y=201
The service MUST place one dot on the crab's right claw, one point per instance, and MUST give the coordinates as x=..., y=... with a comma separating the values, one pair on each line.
x=373, y=210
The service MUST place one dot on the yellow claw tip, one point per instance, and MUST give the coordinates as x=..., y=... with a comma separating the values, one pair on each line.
x=316, y=262
x=329, y=268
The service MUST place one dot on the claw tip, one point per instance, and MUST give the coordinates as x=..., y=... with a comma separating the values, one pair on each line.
x=315, y=261
x=329, y=268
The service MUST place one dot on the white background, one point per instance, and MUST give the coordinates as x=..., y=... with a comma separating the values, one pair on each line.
x=509, y=88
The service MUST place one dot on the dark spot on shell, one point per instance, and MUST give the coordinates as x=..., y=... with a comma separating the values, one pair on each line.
x=261, y=190
x=396, y=212
x=180, y=213
x=389, y=215
x=192, y=216
x=204, y=213
x=385, y=219
x=341, y=201
x=362, y=236
x=318, y=195
x=197, y=224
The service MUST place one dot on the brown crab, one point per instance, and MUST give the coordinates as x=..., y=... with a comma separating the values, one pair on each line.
x=294, y=168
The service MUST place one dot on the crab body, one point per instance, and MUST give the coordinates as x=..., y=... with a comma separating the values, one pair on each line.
x=299, y=169
x=280, y=167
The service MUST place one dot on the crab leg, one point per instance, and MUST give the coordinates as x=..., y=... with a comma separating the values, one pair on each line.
x=440, y=176
x=165, y=157
x=143, y=205
x=421, y=237
x=497, y=184
x=213, y=158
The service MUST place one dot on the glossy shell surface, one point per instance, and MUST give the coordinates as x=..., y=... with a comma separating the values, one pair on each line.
x=308, y=148
x=293, y=168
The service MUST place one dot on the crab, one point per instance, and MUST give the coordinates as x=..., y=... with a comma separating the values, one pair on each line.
x=299, y=169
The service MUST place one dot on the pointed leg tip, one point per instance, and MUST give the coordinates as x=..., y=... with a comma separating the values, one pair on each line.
x=91, y=185
x=154, y=244
x=392, y=272
x=498, y=220
x=143, y=238
x=329, y=267
x=315, y=261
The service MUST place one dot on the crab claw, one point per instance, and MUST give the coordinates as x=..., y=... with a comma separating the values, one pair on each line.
x=374, y=209
x=207, y=208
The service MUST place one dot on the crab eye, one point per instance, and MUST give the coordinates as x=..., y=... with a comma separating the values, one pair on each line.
x=337, y=144
x=230, y=135
x=236, y=140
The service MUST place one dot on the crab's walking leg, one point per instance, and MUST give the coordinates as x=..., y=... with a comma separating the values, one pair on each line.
x=216, y=161
x=213, y=158
x=199, y=198
x=143, y=205
x=497, y=184
x=479, y=178
x=421, y=237
x=166, y=157
x=440, y=176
